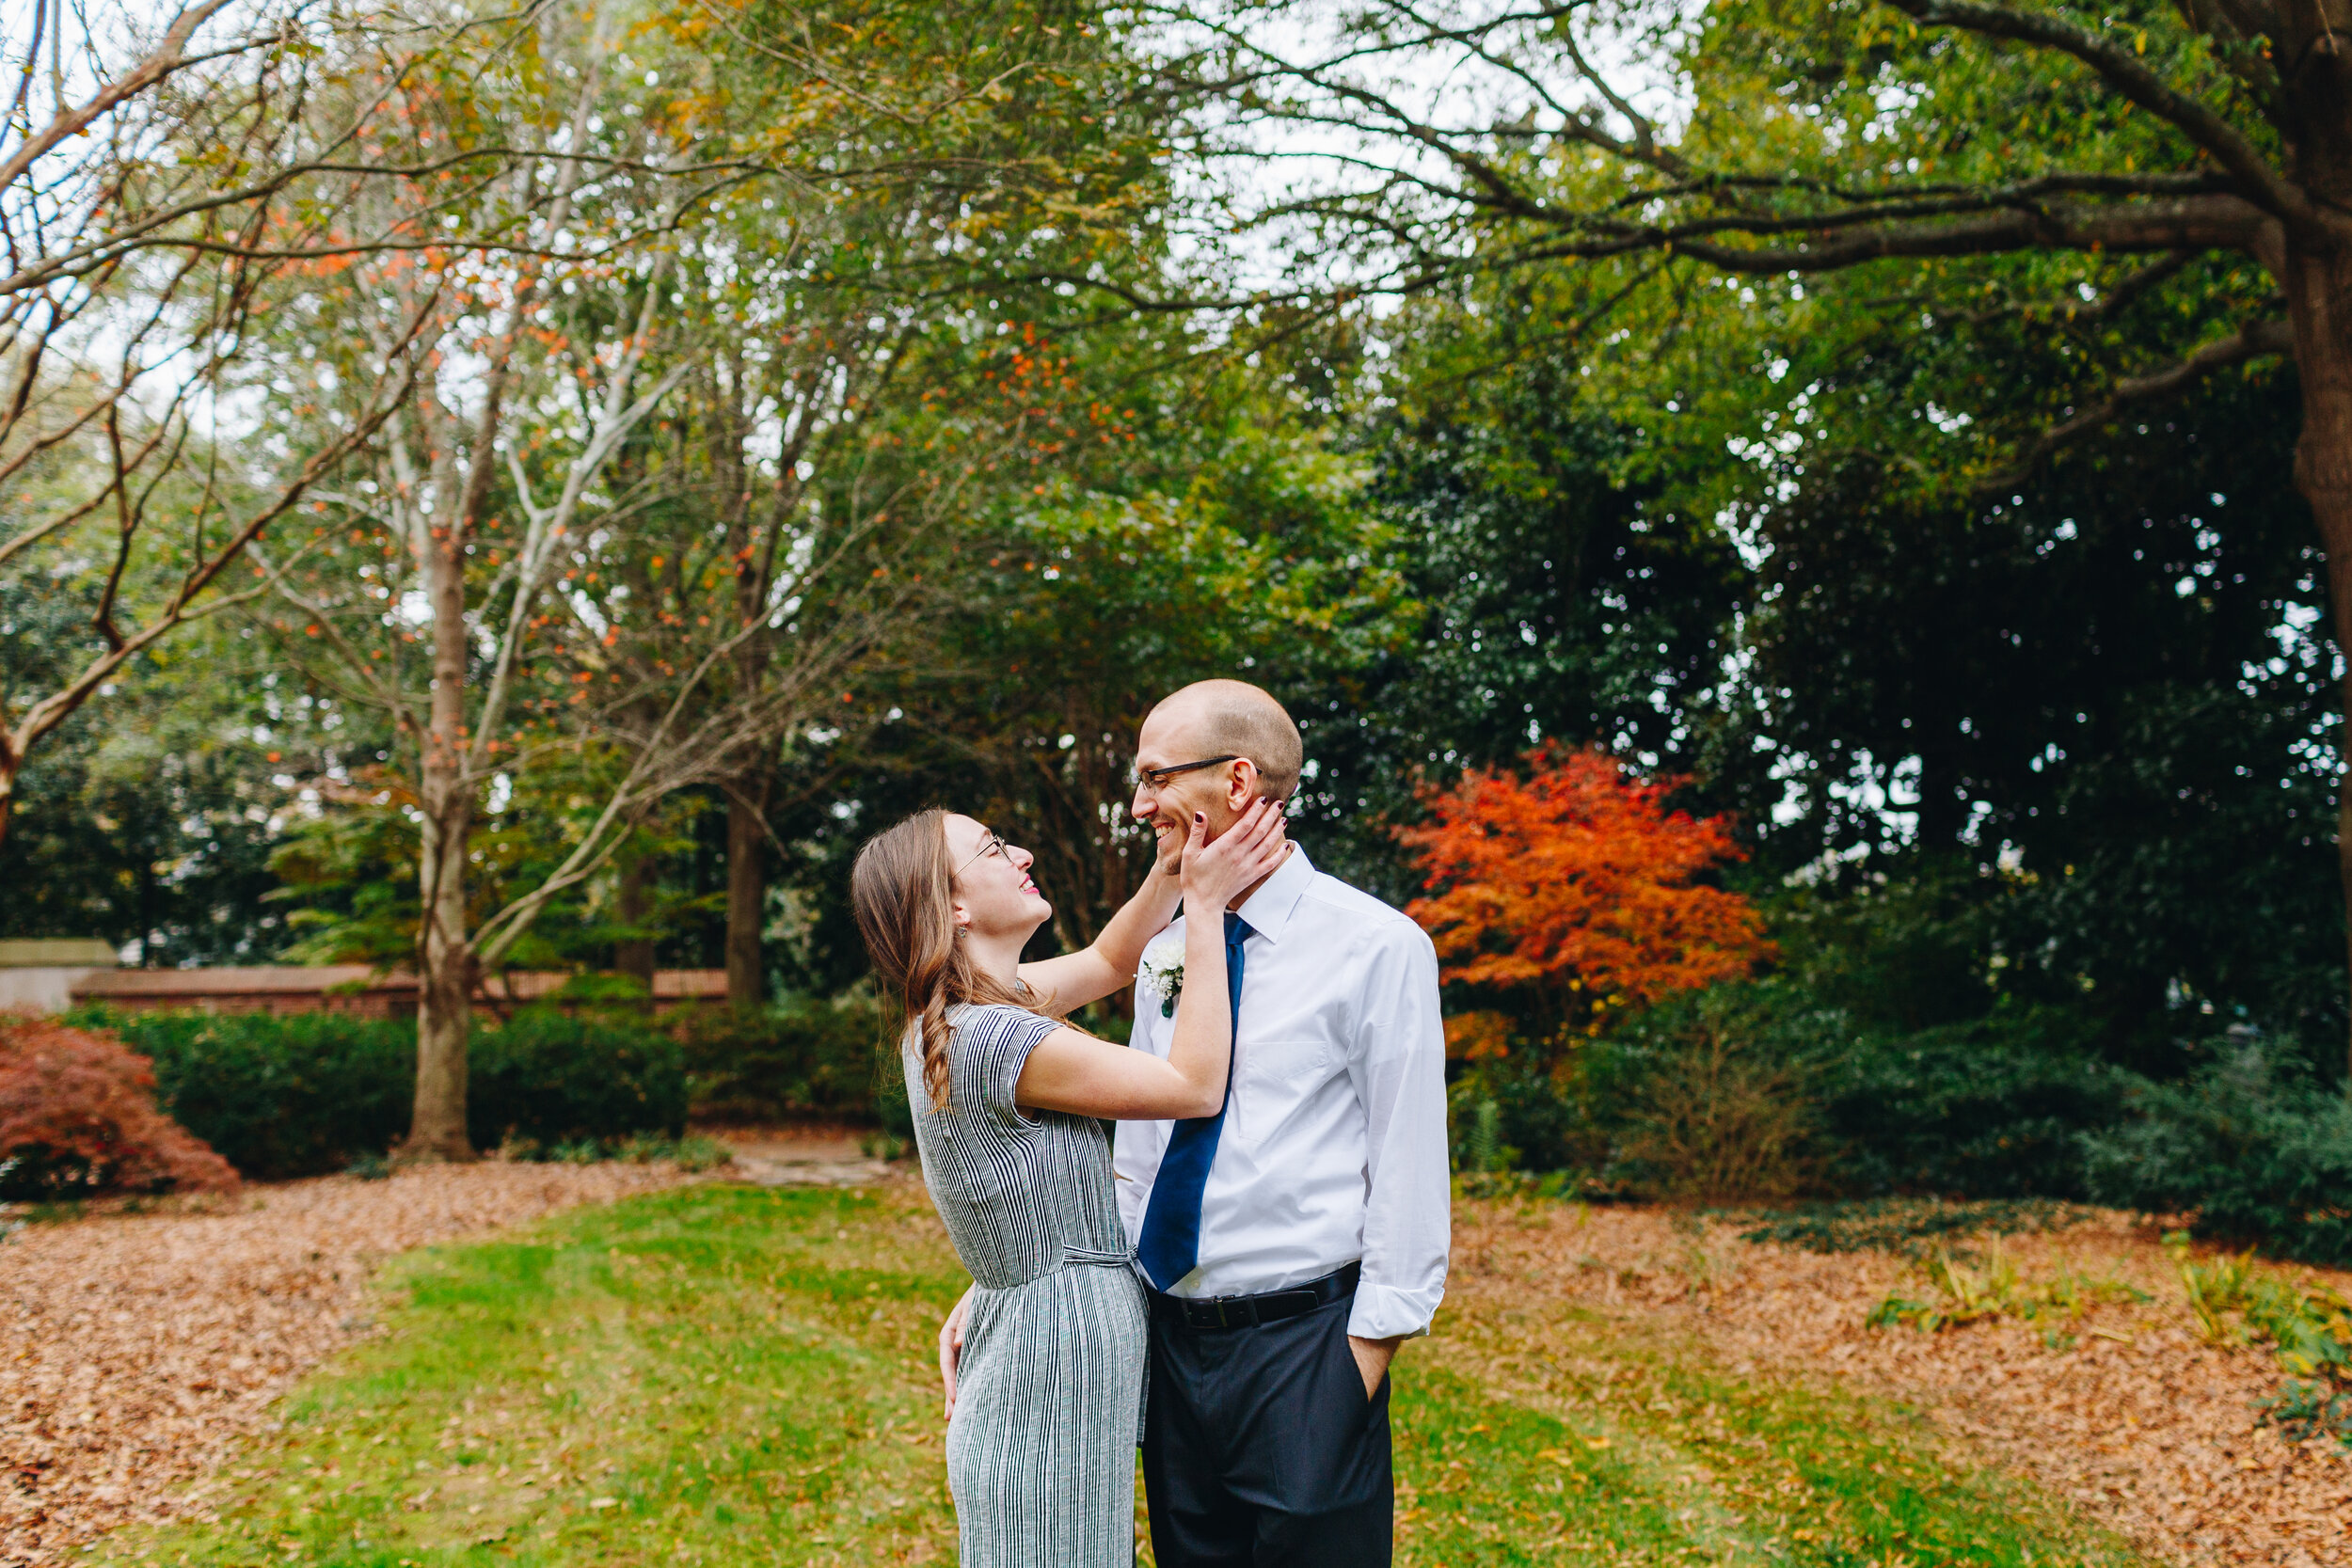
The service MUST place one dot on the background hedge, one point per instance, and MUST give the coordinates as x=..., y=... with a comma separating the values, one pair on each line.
x=308, y=1093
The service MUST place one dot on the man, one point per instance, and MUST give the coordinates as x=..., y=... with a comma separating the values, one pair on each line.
x=1294, y=1241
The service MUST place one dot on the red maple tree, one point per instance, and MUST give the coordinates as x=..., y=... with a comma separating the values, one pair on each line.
x=1571, y=887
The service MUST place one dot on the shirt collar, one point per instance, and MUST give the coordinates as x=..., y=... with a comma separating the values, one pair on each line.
x=1270, y=908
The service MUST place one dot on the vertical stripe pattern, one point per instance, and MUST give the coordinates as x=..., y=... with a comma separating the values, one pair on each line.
x=1040, y=1451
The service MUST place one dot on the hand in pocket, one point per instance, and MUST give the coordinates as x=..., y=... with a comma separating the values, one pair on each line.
x=1372, y=1360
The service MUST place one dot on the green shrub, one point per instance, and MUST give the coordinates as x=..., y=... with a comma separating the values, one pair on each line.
x=1489, y=1154
x=800, y=1057
x=554, y=1078
x=278, y=1097
x=1994, y=1108
x=893, y=1113
x=308, y=1093
x=2250, y=1144
x=692, y=1153
x=2302, y=1411
x=1909, y=1227
x=1537, y=1124
x=1754, y=1091
x=1964, y=1293
x=1713, y=1098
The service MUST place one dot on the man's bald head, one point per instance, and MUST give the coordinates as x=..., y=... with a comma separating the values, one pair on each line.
x=1235, y=718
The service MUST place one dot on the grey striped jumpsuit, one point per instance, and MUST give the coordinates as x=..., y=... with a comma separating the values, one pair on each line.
x=1042, y=1449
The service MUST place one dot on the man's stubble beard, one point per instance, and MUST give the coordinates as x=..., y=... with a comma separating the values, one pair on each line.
x=1170, y=846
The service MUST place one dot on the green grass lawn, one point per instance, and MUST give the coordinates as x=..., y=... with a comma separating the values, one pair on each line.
x=733, y=1375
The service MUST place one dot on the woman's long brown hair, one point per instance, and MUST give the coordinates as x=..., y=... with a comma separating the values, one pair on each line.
x=902, y=890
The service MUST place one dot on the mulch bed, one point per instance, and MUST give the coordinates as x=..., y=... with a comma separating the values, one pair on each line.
x=2125, y=1411
x=136, y=1347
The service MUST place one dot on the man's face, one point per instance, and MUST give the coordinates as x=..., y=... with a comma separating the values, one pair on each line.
x=1170, y=739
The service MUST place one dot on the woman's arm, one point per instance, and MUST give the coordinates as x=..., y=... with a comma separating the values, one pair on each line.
x=1070, y=1071
x=1068, y=982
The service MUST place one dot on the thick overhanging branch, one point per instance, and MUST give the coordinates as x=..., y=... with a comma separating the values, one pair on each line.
x=2130, y=76
x=1909, y=197
x=2174, y=225
x=2195, y=223
x=2261, y=340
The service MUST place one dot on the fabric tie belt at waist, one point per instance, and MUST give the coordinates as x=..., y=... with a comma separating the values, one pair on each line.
x=1091, y=1257
x=1249, y=1311
x=1071, y=1258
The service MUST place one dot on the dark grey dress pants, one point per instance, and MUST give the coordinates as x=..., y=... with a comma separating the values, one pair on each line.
x=1260, y=1450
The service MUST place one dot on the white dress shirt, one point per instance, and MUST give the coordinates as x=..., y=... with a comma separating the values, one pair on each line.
x=1334, y=1144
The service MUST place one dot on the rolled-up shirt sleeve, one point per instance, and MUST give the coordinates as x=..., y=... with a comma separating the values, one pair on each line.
x=1398, y=1065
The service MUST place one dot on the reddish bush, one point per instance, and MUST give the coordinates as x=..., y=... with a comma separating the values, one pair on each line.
x=77, y=1116
x=1575, y=888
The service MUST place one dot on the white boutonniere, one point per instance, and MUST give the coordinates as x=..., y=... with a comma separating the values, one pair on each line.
x=1164, y=968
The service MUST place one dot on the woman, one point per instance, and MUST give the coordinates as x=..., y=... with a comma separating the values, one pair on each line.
x=1047, y=1396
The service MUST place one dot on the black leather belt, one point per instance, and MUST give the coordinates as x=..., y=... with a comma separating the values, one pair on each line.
x=1249, y=1311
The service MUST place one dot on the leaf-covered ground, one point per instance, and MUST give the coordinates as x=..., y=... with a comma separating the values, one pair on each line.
x=138, y=1347
x=2096, y=1384
x=725, y=1374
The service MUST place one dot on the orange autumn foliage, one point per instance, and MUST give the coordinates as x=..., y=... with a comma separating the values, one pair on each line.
x=78, y=1116
x=1574, y=883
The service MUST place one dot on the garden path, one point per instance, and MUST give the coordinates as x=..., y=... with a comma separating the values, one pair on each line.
x=800, y=1156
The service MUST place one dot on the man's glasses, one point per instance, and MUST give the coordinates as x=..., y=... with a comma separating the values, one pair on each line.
x=1155, y=779
x=993, y=847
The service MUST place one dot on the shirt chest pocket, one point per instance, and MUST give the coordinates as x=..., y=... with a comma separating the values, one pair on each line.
x=1280, y=1066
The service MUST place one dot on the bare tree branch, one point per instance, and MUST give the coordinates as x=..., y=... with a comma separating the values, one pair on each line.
x=168, y=56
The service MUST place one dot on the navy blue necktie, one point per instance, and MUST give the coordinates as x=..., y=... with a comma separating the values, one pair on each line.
x=1170, y=1247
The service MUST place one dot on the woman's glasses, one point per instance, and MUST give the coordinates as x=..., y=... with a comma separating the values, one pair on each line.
x=993, y=847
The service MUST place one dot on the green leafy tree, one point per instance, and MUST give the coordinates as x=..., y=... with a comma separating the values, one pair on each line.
x=1237, y=548
x=1560, y=594
x=148, y=816
x=1855, y=173
x=1207, y=527
x=652, y=498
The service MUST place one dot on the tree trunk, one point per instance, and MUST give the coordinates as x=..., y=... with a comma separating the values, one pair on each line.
x=747, y=794
x=633, y=955
x=436, y=1126
x=2319, y=302
x=9, y=767
x=747, y=891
